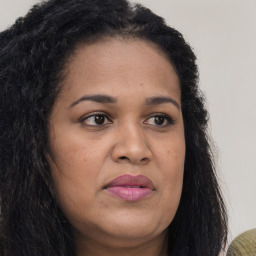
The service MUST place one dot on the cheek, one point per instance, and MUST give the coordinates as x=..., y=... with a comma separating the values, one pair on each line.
x=171, y=195
x=173, y=178
x=75, y=174
x=75, y=156
x=171, y=159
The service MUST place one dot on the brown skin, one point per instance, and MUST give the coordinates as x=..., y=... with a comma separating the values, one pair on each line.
x=85, y=156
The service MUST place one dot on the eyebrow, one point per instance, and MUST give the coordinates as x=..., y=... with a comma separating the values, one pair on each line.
x=161, y=100
x=102, y=98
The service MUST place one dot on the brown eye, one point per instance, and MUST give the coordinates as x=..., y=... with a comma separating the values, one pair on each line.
x=159, y=120
x=99, y=119
x=96, y=120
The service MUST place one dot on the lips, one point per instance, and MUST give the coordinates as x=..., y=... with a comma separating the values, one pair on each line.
x=130, y=188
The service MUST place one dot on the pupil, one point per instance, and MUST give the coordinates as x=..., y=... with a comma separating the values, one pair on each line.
x=99, y=119
x=159, y=120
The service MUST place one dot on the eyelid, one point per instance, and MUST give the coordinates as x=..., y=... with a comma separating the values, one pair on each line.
x=169, y=119
x=85, y=117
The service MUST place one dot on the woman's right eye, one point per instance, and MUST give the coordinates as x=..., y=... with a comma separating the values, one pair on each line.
x=95, y=120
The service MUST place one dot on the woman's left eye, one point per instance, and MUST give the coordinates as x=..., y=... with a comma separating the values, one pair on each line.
x=159, y=120
x=96, y=120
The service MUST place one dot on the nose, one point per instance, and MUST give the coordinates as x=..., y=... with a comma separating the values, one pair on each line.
x=131, y=146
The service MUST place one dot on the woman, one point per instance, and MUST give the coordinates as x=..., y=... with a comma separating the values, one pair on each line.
x=104, y=148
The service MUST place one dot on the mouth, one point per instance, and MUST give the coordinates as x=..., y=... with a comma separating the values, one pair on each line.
x=130, y=188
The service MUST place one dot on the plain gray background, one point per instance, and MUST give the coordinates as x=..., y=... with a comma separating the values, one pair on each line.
x=223, y=36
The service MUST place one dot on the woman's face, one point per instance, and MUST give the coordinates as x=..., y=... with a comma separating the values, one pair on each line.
x=116, y=142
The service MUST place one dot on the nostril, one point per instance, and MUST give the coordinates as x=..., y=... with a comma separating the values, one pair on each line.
x=143, y=160
x=123, y=157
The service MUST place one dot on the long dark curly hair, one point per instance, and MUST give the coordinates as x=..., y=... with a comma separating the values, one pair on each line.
x=33, y=54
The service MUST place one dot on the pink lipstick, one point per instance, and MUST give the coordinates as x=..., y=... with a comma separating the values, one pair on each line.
x=130, y=188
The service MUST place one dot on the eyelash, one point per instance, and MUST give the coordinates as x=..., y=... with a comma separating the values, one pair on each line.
x=83, y=119
x=167, y=119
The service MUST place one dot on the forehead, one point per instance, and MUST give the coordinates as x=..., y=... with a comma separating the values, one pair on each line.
x=112, y=63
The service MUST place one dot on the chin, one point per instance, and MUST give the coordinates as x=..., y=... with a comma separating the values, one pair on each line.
x=136, y=226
